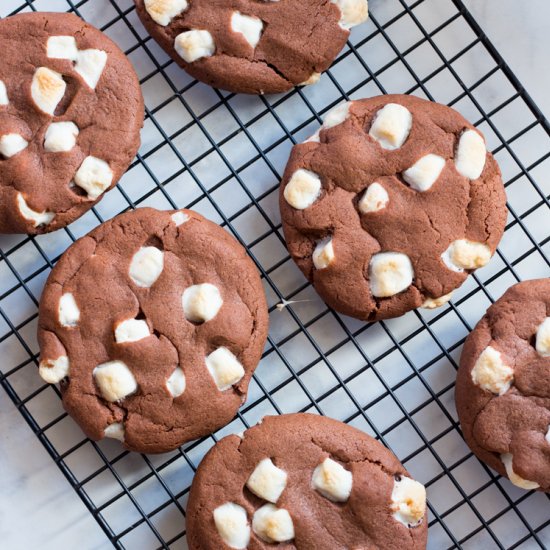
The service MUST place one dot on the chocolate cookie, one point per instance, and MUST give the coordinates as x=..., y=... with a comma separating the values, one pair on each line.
x=71, y=110
x=390, y=205
x=503, y=386
x=305, y=482
x=252, y=46
x=154, y=324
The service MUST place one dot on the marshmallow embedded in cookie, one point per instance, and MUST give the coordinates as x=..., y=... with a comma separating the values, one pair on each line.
x=471, y=155
x=425, y=172
x=47, y=89
x=464, y=254
x=332, y=480
x=354, y=12
x=4, y=100
x=491, y=373
x=391, y=126
x=232, y=525
x=313, y=79
x=62, y=47
x=375, y=198
x=146, y=266
x=37, y=218
x=176, y=382
x=303, y=189
x=11, y=144
x=225, y=368
x=390, y=273
x=69, y=313
x=131, y=330
x=507, y=460
x=433, y=303
x=94, y=176
x=250, y=27
x=194, y=44
x=114, y=380
x=53, y=371
x=163, y=11
x=201, y=303
x=115, y=431
x=273, y=524
x=542, y=342
x=336, y=116
x=323, y=255
x=60, y=137
x=90, y=65
x=267, y=481
x=179, y=218
x=408, y=501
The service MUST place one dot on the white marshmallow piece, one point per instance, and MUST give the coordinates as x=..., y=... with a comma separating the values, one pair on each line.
x=374, y=199
x=115, y=431
x=163, y=11
x=250, y=27
x=548, y=435
x=464, y=254
x=323, y=255
x=390, y=273
x=491, y=373
x=176, y=382
x=60, y=137
x=224, y=367
x=313, y=79
x=38, y=218
x=11, y=144
x=391, y=126
x=232, y=525
x=90, y=65
x=518, y=481
x=425, y=172
x=4, y=100
x=433, y=303
x=542, y=342
x=69, y=313
x=115, y=380
x=131, y=330
x=94, y=176
x=146, y=266
x=194, y=44
x=471, y=155
x=408, y=501
x=53, y=371
x=273, y=524
x=354, y=12
x=303, y=189
x=267, y=481
x=337, y=115
x=201, y=303
x=62, y=47
x=332, y=480
x=179, y=218
x=47, y=89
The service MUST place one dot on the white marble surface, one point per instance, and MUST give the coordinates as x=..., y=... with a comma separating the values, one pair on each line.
x=38, y=509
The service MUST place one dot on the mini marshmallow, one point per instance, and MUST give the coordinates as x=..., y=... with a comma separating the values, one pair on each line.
x=354, y=12
x=507, y=460
x=542, y=343
x=471, y=155
x=131, y=330
x=53, y=371
x=303, y=189
x=408, y=501
x=201, y=303
x=194, y=44
x=62, y=47
x=232, y=525
x=163, y=11
x=4, y=100
x=267, y=481
x=176, y=382
x=323, y=255
x=179, y=218
x=69, y=313
x=60, y=137
x=332, y=480
x=391, y=126
x=115, y=380
x=47, y=89
x=115, y=431
x=224, y=368
x=390, y=273
x=433, y=303
x=464, y=254
x=146, y=266
x=273, y=524
x=491, y=373
x=375, y=198
x=425, y=172
x=90, y=65
x=94, y=176
x=337, y=115
x=250, y=27
x=313, y=79
x=11, y=144
x=38, y=218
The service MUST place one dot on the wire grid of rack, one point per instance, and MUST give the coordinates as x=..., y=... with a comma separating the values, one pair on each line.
x=222, y=154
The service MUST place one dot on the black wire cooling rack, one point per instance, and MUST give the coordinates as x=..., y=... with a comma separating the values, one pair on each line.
x=222, y=154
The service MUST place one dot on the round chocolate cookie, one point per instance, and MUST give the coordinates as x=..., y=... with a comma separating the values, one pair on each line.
x=153, y=323
x=252, y=46
x=71, y=111
x=306, y=482
x=390, y=205
x=503, y=386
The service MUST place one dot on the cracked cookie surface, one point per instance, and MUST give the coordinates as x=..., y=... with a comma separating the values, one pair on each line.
x=71, y=111
x=503, y=386
x=153, y=324
x=390, y=205
x=252, y=46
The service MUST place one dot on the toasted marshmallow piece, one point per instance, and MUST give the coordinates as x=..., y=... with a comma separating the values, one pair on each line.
x=53, y=371
x=115, y=380
x=491, y=373
x=146, y=266
x=62, y=47
x=471, y=155
x=179, y=218
x=163, y=11
x=433, y=303
x=391, y=126
x=4, y=100
x=176, y=382
x=273, y=524
x=518, y=481
x=408, y=499
x=267, y=481
x=11, y=144
x=323, y=255
x=201, y=303
x=390, y=273
x=47, y=89
x=38, y=218
x=224, y=368
x=543, y=338
x=332, y=480
x=94, y=176
x=232, y=525
x=131, y=330
x=464, y=254
x=354, y=12
x=194, y=44
x=425, y=172
x=69, y=314
x=375, y=198
x=90, y=65
x=303, y=189
x=337, y=115
x=60, y=137
x=115, y=431
x=313, y=79
x=250, y=27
